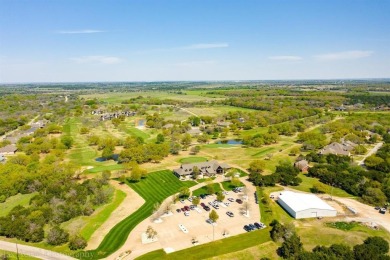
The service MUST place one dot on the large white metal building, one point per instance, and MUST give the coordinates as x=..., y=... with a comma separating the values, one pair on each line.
x=301, y=205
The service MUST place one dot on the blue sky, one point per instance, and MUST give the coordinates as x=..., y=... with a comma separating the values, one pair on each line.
x=144, y=40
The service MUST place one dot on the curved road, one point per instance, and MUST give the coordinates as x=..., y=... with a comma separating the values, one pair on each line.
x=373, y=150
x=33, y=251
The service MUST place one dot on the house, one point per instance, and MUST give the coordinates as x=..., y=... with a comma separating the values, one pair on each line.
x=208, y=168
x=344, y=148
x=302, y=165
x=194, y=131
x=8, y=150
x=223, y=124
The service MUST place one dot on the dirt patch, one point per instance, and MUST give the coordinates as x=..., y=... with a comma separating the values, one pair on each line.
x=129, y=205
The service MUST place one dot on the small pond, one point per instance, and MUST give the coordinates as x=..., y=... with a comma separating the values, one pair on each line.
x=101, y=159
x=235, y=141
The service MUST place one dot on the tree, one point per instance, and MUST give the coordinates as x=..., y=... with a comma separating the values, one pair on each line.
x=122, y=179
x=196, y=201
x=235, y=182
x=291, y=247
x=150, y=232
x=195, y=149
x=160, y=139
x=195, y=172
x=57, y=236
x=77, y=242
x=220, y=196
x=257, y=166
x=213, y=216
x=107, y=153
x=210, y=188
x=67, y=141
x=185, y=141
x=184, y=192
x=294, y=151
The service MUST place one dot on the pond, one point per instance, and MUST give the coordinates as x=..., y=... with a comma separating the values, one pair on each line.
x=235, y=141
x=101, y=159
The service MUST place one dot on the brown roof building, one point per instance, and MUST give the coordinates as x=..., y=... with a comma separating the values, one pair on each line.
x=208, y=168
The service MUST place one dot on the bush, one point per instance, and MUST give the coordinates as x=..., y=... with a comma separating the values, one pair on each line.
x=77, y=242
x=57, y=236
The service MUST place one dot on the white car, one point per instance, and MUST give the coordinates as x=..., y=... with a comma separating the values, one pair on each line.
x=186, y=213
x=230, y=199
x=227, y=204
x=182, y=201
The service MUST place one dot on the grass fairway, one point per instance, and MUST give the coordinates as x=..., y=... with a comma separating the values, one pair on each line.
x=155, y=188
x=216, y=248
x=192, y=160
x=19, y=199
x=227, y=185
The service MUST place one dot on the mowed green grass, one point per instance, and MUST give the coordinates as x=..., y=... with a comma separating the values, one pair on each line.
x=216, y=248
x=156, y=187
x=203, y=189
x=192, y=159
x=227, y=185
x=13, y=256
x=11, y=202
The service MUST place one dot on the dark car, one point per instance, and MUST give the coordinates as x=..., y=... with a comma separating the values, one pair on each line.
x=183, y=209
x=257, y=225
x=247, y=228
x=186, y=208
x=202, y=196
x=239, y=201
x=207, y=208
x=377, y=208
x=251, y=226
x=203, y=205
x=178, y=210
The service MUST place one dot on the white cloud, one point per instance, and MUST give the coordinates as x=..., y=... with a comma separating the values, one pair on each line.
x=196, y=63
x=97, y=59
x=345, y=55
x=80, y=31
x=205, y=46
x=285, y=58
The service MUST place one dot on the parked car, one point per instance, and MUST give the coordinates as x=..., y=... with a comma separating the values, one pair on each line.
x=202, y=196
x=227, y=204
x=186, y=208
x=210, y=203
x=190, y=199
x=247, y=228
x=253, y=227
x=239, y=201
x=207, y=208
x=230, y=214
x=382, y=210
x=192, y=207
x=202, y=204
x=178, y=210
x=209, y=221
x=215, y=206
x=257, y=225
x=186, y=213
x=182, y=201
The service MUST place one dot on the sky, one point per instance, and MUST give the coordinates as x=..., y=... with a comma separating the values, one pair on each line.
x=176, y=40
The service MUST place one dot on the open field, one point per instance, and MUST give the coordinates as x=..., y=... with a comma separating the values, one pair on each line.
x=155, y=188
x=118, y=97
x=19, y=199
x=193, y=159
x=203, y=189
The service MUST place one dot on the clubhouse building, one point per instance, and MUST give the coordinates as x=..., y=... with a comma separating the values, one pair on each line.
x=206, y=169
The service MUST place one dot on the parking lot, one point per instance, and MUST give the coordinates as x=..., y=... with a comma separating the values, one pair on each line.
x=198, y=229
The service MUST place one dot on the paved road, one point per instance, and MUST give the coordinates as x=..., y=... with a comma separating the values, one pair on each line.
x=373, y=150
x=33, y=251
x=189, y=112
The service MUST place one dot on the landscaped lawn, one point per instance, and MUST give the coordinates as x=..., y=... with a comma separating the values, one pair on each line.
x=192, y=159
x=19, y=199
x=216, y=248
x=154, y=188
x=227, y=185
x=203, y=189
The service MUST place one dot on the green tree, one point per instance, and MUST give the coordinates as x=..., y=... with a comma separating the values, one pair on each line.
x=184, y=192
x=235, y=182
x=195, y=149
x=291, y=247
x=160, y=139
x=213, y=216
x=57, y=236
x=210, y=188
x=220, y=196
x=196, y=201
x=257, y=166
x=67, y=141
x=77, y=242
x=195, y=172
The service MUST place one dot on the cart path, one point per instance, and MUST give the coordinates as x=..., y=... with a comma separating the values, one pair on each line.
x=373, y=150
